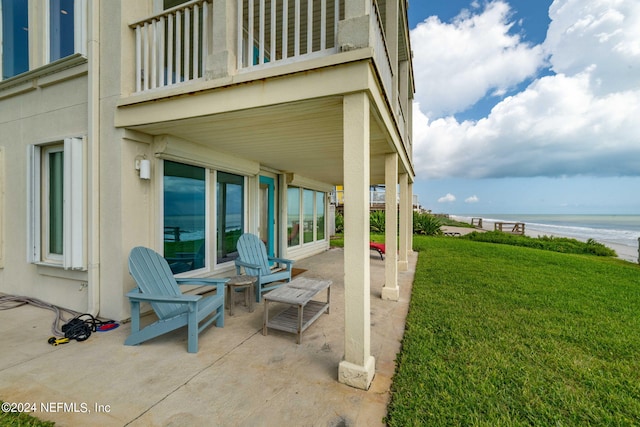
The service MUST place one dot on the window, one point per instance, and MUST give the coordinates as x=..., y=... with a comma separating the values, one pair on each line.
x=185, y=213
x=56, y=204
x=53, y=201
x=320, y=197
x=229, y=216
x=187, y=218
x=61, y=29
x=306, y=207
x=308, y=216
x=293, y=216
x=15, y=37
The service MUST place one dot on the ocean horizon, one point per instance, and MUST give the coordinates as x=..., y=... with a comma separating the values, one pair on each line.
x=607, y=229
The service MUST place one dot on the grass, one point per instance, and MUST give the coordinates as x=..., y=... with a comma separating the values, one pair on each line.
x=15, y=419
x=499, y=335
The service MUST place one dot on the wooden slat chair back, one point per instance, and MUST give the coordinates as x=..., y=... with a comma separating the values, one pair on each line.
x=252, y=256
x=157, y=286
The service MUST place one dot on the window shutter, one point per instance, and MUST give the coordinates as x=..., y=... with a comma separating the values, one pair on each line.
x=74, y=211
x=33, y=201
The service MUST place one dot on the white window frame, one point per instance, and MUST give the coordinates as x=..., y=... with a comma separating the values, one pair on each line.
x=207, y=209
x=214, y=217
x=74, y=223
x=211, y=214
x=301, y=191
x=45, y=186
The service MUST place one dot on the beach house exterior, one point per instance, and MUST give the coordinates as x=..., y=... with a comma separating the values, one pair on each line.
x=178, y=125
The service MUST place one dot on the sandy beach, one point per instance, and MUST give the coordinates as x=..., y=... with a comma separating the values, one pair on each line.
x=624, y=252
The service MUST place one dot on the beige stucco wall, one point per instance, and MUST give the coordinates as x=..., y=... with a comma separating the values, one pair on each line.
x=48, y=112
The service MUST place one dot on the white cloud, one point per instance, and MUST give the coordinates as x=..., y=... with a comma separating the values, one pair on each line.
x=472, y=199
x=457, y=64
x=449, y=198
x=581, y=121
x=603, y=36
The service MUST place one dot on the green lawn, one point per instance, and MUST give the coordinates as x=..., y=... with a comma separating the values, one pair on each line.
x=15, y=419
x=502, y=335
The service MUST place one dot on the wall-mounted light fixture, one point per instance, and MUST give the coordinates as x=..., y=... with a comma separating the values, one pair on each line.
x=144, y=167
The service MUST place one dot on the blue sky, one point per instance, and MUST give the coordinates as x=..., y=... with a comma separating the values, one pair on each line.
x=527, y=106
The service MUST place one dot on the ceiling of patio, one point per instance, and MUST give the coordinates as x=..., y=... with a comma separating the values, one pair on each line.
x=301, y=137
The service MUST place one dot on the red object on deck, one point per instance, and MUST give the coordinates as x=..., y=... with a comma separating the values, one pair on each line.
x=378, y=247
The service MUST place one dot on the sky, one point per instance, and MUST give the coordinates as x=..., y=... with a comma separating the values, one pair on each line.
x=526, y=106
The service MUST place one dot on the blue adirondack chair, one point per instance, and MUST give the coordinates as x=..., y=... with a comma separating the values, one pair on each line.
x=252, y=256
x=157, y=286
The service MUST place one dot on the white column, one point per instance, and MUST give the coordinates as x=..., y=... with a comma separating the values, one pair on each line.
x=353, y=30
x=220, y=58
x=358, y=367
x=405, y=213
x=356, y=8
x=410, y=219
x=390, y=291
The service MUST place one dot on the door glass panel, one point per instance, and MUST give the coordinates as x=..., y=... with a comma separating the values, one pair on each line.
x=308, y=199
x=264, y=214
x=319, y=216
x=230, y=215
x=184, y=216
x=293, y=216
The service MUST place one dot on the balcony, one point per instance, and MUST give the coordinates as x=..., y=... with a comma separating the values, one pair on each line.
x=173, y=47
x=191, y=44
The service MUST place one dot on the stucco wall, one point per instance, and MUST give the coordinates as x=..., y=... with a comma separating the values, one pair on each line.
x=49, y=111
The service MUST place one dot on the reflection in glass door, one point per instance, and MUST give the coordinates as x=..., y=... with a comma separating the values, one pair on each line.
x=267, y=213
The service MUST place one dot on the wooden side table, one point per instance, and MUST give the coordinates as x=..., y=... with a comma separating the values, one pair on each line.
x=237, y=283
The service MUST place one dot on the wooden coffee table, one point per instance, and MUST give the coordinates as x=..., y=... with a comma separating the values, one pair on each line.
x=303, y=310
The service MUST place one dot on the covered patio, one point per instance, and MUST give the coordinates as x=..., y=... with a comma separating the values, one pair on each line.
x=238, y=377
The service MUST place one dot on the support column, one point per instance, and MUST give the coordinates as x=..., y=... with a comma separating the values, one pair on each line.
x=390, y=291
x=358, y=367
x=221, y=59
x=410, y=220
x=405, y=213
x=353, y=30
x=355, y=8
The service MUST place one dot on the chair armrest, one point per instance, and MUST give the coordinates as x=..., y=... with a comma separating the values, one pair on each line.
x=246, y=264
x=201, y=281
x=288, y=262
x=217, y=282
x=178, y=299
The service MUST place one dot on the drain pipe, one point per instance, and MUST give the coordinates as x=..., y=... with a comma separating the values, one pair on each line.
x=93, y=193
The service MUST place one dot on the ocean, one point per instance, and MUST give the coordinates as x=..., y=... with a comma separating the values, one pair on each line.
x=611, y=230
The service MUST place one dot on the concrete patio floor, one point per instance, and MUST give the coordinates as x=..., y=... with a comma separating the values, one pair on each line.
x=238, y=377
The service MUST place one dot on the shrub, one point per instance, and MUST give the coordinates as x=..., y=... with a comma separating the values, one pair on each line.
x=377, y=221
x=339, y=223
x=549, y=243
x=426, y=224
